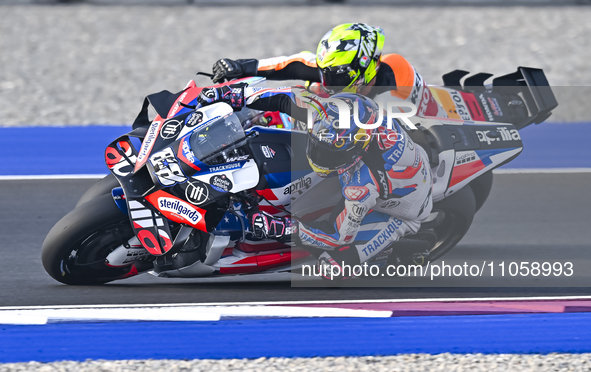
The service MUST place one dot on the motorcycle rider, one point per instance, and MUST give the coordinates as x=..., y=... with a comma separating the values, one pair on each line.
x=385, y=178
x=348, y=58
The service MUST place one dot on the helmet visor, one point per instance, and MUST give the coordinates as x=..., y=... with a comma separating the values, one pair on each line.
x=331, y=77
x=324, y=157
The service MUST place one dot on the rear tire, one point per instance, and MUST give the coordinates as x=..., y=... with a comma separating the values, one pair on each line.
x=458, y=213
x=75, y=249
x=481, y=187
x=435, y=238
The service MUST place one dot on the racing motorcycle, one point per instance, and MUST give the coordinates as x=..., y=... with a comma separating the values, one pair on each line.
x=182, y=184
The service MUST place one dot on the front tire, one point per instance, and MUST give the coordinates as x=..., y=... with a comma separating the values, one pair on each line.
x=75, y=249
x=102, y=187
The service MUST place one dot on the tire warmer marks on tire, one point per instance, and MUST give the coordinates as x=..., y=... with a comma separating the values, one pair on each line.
x=150, y=228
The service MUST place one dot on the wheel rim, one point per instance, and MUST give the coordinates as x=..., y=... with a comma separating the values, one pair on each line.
x=87, y=259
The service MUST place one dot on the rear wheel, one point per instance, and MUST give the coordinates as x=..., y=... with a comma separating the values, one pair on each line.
x=75, y=249
x=451, y=219
x=454, y=218
x=481, y=187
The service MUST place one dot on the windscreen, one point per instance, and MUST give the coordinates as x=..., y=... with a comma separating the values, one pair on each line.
x=216, y=136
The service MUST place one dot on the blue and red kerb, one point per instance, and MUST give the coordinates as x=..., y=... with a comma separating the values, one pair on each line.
x=489, y=327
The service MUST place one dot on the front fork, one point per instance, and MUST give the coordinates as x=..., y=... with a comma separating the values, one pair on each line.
x=134, y=253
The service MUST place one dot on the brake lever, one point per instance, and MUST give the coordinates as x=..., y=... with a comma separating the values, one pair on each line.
x=205, y=74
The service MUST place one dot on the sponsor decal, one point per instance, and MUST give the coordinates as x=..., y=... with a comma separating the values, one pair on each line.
x=414, y=96
x=299, y=184
x=171, y=129
x=180, y=209
x=494, y=105
x=417, y=160
x=346, y=178
x=356, y=220
x=503, y=134
x=424, y=105
x=354, y=193
x=268, y=152
x=444, y=99
x=486, y=108
x=186, y=154
x=196, y=194
x=359, y=210
x=364, y=61
x=461, y=108
x=383, y=238
x=304, y=237
x=394, y=154
x=389, y=204
x=148, y=142
x=387, y=138
x=167, y=168
x=120, y=165
x=133, y=255
x=473, y=106
x=194, y=119
x=178, y=104
x=144, y=222
x=345, y=169
x=221, y=183
x=238, y=158
x=462, y=158
x=225, y=167
x=384, y=189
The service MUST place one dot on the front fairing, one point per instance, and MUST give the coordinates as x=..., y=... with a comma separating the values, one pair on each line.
x=163, y=179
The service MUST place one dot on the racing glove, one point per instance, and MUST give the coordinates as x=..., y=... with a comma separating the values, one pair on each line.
x=231, y=94
x=264, y=226
x=228, y=69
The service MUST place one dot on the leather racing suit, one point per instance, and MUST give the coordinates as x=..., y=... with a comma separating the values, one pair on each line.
x=396, y=77
x=385, y=195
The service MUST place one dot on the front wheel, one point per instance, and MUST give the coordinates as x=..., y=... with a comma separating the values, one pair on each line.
x=102, y=187
x=75, y=249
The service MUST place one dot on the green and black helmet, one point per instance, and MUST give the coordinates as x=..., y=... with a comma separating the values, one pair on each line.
x=348, y=56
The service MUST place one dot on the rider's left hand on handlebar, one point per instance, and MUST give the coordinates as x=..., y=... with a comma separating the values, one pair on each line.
x=230, y=94
x=226, y=69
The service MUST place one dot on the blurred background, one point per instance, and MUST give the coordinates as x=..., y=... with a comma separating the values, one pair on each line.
x=92, y=62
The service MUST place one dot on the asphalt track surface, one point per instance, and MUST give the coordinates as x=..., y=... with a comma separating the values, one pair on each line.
x=525, y=215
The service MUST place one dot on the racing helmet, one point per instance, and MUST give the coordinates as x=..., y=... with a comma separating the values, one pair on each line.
x=330, y=148
x=349, y=55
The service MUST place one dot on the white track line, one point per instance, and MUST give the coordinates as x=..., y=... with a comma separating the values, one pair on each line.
x=180, y=313
x=216, y=311
x=53, y=177
x=295, y=303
